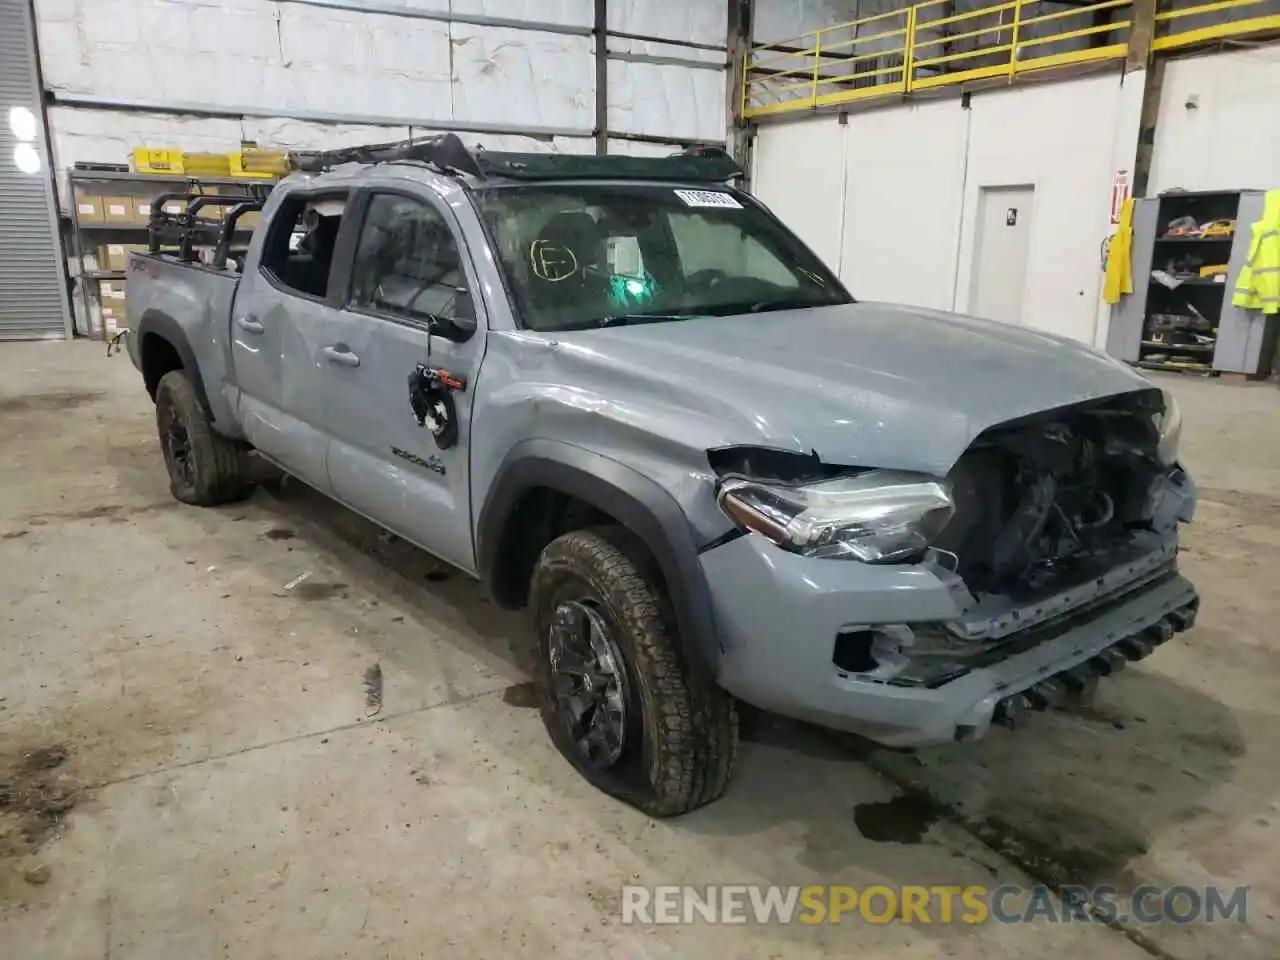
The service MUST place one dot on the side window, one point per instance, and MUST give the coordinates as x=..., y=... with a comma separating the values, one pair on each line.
x=298, y=252
x=407, y=265
x=706, y=244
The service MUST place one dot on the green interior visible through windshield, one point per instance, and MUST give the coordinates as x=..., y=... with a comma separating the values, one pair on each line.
x=587, y=255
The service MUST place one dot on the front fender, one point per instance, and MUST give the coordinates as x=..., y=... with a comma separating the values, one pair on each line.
x=635, y=501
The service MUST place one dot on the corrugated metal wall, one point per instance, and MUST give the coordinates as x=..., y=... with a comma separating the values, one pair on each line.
x=33, y=299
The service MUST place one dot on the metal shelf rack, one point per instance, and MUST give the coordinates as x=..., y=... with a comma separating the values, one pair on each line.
x=87, y=236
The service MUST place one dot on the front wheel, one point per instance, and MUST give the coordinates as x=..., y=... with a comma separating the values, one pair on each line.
x=205, y=468
x=616, y=694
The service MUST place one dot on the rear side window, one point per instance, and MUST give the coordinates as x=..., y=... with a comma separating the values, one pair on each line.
x=407, y=264
x=298, y=251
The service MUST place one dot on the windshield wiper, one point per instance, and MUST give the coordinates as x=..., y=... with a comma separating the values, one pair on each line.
x=625, y=319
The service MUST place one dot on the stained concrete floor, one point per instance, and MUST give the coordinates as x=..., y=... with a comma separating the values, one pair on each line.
x=219, y=785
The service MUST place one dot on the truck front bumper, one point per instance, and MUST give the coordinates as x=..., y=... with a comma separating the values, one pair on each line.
x=779, y=614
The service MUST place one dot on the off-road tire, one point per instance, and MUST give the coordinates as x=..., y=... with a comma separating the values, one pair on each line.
x=220, y=466
x=683, y=738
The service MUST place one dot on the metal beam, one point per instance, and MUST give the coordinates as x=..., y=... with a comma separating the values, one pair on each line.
x=738, y=44
x=666, y=61
x=601, y=31
x=648, y=38
x=1142, y=32
x=1152, y=88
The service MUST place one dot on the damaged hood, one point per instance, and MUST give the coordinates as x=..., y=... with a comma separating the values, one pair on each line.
x=863, y=384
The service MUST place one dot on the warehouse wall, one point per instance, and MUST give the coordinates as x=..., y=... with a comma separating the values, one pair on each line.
x=370, y=73
x=1216, y=125
x=910, y=177
x=1058, y=137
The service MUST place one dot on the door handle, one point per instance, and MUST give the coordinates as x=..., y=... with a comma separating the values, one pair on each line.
x=340, y=354
x=250, y=323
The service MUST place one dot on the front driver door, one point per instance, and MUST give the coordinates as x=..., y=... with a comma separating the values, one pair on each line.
x=407, y=302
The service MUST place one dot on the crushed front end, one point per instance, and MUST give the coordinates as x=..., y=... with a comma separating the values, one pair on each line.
x=1044, y=561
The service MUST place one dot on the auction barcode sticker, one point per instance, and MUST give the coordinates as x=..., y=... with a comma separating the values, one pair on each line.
x=708, y=198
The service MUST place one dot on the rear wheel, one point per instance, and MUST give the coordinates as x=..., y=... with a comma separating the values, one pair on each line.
x=205, y=468
x=616, y=695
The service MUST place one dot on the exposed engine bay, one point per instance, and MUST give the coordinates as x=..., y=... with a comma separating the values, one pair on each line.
x=1049, y=498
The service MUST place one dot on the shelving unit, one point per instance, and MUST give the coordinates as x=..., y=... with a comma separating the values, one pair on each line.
x=1192, y=326
x=91, y=236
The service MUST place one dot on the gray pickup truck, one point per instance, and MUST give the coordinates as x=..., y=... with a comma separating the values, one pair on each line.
x=622, y=394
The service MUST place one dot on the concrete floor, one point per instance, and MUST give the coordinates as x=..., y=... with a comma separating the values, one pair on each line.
x=230, y=791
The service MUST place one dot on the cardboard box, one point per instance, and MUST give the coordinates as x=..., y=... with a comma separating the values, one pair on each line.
x=118, y=210
x=111, y=292
x=88, y=207
x=175, y=207
x=113, y=256
x=142, y=209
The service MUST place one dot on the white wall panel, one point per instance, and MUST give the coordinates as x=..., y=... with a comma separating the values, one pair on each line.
x=910, y=178
x=798, y=170
x=698, y=21
x=903, y=203
x=522, y=77
x=668, y=101
x=784, y=19
x=632, y=148
x=1057, y=137
x=1229, y=138
x=566, y=12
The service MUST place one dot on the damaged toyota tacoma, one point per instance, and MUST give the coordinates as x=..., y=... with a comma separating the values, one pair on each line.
x=623, y=395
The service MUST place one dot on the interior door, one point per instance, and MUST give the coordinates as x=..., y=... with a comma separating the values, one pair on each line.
x=407, y=303
x=278, y=329
x=1000, y=252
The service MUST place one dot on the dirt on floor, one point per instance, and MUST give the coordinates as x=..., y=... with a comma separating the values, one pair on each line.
x=271, y=729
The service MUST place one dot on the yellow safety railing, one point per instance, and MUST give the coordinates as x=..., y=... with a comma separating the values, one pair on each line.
x=1186, y=26
x=925, y=46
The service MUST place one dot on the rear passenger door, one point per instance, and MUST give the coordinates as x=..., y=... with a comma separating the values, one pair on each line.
x=408, y=301
x=278, y=331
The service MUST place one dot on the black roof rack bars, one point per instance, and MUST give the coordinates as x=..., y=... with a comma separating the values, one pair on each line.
x=448, y=154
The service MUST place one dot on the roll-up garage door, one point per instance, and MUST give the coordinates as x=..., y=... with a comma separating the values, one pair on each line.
x=33, y=293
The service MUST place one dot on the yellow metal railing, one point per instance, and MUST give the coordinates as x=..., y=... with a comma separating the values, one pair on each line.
x=925, y=46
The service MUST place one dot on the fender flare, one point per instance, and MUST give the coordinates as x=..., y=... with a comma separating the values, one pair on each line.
x=164, y=326
x=635, y=501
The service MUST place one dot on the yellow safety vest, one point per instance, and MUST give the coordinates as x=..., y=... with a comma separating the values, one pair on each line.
x=1258, y=286
x=1119, y=276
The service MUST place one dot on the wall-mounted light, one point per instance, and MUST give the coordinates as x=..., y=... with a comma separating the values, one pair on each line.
x=23, y=124
x=26, y=159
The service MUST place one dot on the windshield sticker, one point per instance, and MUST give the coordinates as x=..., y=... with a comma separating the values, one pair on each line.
x=708, y=198
x=550, y=262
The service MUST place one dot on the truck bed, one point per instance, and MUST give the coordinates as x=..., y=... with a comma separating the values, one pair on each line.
x=165, y=292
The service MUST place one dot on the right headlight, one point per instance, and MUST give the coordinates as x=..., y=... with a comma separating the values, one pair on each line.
x=880, y=516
